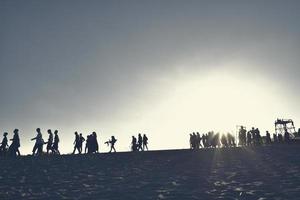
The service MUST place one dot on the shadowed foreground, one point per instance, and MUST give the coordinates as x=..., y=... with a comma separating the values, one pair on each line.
x=236, y=173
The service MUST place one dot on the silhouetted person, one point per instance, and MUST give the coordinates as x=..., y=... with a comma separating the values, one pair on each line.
x=280, y=138
x=76, y=143
x=198, y=140
x=253, y=134
x=145, y=142
x=249, y=138
x=231, y=140
x=134, y=145
x=81, y=140
x=94, y=143
x=14, y=146
x=140, y=142
x=224, y=140
x=257, y=137
x=112, y=142
x=50, y=141
x=55, y=143
x=194, y=141
x=242, y=136
x=4, y=143
x=268, y=137
x=205, y=140
x=191, y=141
x=39, y=142
x=88, y=144
x=275, y=138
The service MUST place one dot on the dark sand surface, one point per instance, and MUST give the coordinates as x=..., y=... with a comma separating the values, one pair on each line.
x=237, y=173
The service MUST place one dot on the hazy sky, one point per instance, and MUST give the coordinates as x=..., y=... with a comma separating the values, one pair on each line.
x=164, y=68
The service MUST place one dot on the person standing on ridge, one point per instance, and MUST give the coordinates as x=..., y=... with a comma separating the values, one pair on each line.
x=4, y=143
x=55, y=143
x=94, y=143
x=140, y=142
x=81, y=140
x=14, y=147
x=112, y=142
x=76, y=143
x=39, y=142
x=134, y=144
x=50, y=141
x=145, y=142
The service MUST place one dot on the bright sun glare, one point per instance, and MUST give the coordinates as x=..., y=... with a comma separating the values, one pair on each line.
x=219, y=102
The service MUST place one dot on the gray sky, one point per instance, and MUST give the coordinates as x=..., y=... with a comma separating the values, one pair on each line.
x=123, y=67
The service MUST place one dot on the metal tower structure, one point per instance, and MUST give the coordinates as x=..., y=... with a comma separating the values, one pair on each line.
x=285, y=125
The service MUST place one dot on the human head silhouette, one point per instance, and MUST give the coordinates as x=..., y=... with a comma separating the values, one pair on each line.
x=38, y=130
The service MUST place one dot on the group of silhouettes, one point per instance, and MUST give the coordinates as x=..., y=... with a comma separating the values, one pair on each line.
x=253, y=137
x=211, y=139
x=91, y=143
x=13, y=148
x=52, y=143
x=140, y=144
x=245, y=138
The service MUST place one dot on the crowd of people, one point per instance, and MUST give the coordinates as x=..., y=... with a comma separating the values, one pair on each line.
x=211, y=139
x=52, y=143
x=140, y=144
x=254, y=138
x=91, y=143
x=245, y=138
x=52, y=147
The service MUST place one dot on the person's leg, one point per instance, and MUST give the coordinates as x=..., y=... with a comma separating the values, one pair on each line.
x=34, y=149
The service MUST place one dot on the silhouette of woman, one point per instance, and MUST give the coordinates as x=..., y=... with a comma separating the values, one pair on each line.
x=14, y=147
x=4, y=143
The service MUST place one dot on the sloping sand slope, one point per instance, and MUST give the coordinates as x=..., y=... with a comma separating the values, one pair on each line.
x=237, y=173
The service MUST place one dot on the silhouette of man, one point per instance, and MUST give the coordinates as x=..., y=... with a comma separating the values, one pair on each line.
x=224, y=140
x=4, y=143
x=39, y=142
x=134, y=144
x=268, y=137
x=50, y=141
x=88, y=144
x=112, y=142
x=275, y=138
x=258, y=136
x=191, y=141
x=194, y=141
x=242, y=136
x=280, y=138
x=55, y=143
x=145, y=142
x=249, y=138
x=95, y=142
x=198, y=140
x=140, y=142
x=81, y=140
x=14, y=147
x=76, y=143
